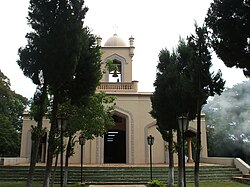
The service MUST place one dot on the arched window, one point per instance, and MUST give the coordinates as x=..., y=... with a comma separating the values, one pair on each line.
x=116, y=76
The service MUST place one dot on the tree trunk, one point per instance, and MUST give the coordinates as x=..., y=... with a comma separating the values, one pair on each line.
x=198, y=135
x=65, y=176
x=171, y=160
x=68, y=150
x=54, y=172
x=51, y=142
x=37, y=138
x=180, y=161
x=33, y=159
x=198, y=150
x=49, y=157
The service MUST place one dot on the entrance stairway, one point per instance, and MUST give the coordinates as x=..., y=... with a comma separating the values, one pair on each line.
x=120, y=175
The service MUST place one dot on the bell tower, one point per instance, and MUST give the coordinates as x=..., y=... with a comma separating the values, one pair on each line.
x=121, y=55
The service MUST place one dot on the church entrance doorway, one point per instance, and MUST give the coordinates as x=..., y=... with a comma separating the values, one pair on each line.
x=115, y=142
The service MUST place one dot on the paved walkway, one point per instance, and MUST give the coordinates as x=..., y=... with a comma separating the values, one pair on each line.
x=117, y=185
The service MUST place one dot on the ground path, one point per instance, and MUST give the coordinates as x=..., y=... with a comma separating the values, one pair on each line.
x=117, y=185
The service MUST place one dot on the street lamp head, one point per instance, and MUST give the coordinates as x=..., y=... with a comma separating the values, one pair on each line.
x=61, y=122
x=150, y=139
x=183, y=123
x=82, y=140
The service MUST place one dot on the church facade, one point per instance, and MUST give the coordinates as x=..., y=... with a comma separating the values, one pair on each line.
x=126, y=142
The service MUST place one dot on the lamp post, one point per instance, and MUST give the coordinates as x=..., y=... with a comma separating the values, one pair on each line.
x=60, y=124
x=183, y=126
x=82, y=141
x=150, y=139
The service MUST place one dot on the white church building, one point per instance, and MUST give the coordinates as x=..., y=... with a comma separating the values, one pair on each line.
x=126, y=142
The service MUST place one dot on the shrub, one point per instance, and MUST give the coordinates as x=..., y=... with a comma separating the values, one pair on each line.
x=156, y=183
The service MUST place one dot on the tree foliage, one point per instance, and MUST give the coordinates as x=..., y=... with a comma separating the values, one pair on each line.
x=12, y=106
x=54, y=45
x=92, y=119
x=61, y=57
x=172, y=96
x=227, y=119
x=184, y=83
x=204, y=82
x=229, y=21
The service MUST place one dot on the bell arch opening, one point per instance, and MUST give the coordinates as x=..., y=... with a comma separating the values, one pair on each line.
x=116, y=75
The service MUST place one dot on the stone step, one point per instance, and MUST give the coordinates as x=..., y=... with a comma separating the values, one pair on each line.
x=120, y=175
x=246, y=176
x=241, y=180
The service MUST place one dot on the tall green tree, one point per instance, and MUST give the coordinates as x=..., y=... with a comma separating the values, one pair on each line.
x=61, y=56
x=12, y=106
x=204, y=83
x=229, y=21
x=160, y=110
x=172, y=97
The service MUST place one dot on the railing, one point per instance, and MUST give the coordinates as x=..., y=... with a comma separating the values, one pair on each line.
x=242, y=166
x=118, y=86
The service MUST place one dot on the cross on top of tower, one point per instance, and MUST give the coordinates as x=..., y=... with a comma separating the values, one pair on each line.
x=115, y=28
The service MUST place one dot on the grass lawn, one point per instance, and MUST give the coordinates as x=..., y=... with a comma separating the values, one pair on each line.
x=22, y=184
x=209, y=184
x=219, y=184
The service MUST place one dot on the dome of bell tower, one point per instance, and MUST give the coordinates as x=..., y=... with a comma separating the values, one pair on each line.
x=115, y=41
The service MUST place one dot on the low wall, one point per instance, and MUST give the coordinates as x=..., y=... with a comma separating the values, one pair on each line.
x=11, y=161
x=218, y=160
x=237, y=162
x=242, y=166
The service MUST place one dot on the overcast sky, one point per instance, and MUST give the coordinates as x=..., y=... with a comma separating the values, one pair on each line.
x=154, y=26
